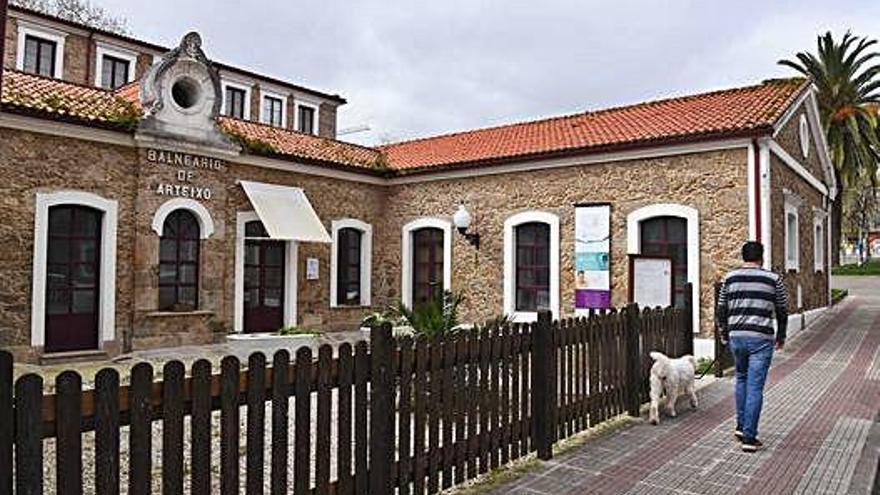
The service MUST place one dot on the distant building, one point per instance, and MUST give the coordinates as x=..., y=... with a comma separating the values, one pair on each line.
x=152, y=197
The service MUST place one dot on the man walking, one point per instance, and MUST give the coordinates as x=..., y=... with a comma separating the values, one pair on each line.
x=750, y=298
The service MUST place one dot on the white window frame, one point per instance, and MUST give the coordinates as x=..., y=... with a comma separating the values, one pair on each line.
x=103, y=49
x=291, y=261
x=203, y=216
x=27, y=29
x=791, y=206
x=265, y=93
x=819, y=243
x=107, y=276
x=366, y=231
x=225, y=83
x=510, y=225
x=407, y=254
x=692, y=217
x=314, y=105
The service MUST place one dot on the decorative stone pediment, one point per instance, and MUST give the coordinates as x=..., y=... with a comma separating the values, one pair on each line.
x=181, y=97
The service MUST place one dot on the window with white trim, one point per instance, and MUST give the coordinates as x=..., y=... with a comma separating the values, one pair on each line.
x=40, y=50
x=236, y=100
x=306, y=118
x=350, y=263
x=531, y=264
x=179, y=262
x=273, y=110
x=792, y=241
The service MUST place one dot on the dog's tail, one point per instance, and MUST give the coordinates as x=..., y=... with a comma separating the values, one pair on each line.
x=692, y=359
x=658, y=356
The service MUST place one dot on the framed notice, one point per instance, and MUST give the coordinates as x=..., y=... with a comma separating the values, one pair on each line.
x=650, y=281
x=592, y=256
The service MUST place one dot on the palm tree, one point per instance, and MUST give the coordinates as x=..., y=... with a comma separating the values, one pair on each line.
x=845, y=75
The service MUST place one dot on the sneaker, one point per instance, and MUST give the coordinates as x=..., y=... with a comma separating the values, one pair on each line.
x=751, y=445
x=738, y=433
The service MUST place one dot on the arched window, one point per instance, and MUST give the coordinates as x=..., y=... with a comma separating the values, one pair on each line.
x=179, y=262
x=532, y=266
x=348, y=268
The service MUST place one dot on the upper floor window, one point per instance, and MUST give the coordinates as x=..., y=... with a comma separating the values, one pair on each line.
x=39, y=56
x=273, y=111
x=179, y=262
x=792, y=235
x=305, y=119
x=236, y=100
x=114, y=72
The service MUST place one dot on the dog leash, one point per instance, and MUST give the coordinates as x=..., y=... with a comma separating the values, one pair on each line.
x=706, y=371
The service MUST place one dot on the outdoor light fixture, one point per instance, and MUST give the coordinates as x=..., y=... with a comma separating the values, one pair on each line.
x=462, y=221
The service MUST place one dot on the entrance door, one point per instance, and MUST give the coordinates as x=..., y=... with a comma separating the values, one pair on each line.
x=667, y=236
x=72, y=272
x=263, y=280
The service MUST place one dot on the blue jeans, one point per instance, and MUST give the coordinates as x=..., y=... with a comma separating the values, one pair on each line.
x=751, y=358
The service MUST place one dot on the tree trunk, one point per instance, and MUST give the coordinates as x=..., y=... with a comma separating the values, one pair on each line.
x=836, y=226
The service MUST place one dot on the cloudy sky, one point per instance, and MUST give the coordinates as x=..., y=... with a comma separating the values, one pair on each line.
x=417, y=68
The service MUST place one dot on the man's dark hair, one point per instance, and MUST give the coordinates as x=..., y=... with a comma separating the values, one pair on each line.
x=752, y=252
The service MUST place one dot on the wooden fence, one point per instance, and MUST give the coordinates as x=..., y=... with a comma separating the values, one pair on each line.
x=408, y=416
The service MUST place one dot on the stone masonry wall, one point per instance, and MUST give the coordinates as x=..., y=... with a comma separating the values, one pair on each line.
x=78, y=65
x=714, y=183
x=813, y=284
x=33, y=163
x=789, y=139
x=10, y=45
x=327, y=121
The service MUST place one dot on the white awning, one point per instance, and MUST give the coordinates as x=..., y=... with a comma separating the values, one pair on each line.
x=285, y=212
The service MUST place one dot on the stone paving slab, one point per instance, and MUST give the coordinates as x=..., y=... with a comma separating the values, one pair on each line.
x=819, y=427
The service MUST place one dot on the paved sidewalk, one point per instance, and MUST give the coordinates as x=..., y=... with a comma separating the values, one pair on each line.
x=818, y=426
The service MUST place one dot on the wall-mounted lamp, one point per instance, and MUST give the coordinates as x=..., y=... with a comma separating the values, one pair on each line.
x=462, y=221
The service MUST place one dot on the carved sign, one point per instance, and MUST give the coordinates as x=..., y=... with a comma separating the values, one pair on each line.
x=184, y=188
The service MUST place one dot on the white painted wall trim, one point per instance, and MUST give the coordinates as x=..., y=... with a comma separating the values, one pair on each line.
x=510, y=225
x=766, y=203
x=291, y=263
x=366, y=258
x=406, y=254
x=206, y=223
x=797, y=168
x=692, y=216
x=102, y=48
x=750, y=193
x=107, y=282
x=791, y=207
x=819, y=251
x=25, y=29
x=587, y=159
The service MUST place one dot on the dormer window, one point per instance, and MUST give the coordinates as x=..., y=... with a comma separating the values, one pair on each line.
x=273, y=109
x=115, y=67
x=40, y=50
x=307, y=118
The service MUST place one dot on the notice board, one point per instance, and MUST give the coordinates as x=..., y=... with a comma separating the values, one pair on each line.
x=650, y=281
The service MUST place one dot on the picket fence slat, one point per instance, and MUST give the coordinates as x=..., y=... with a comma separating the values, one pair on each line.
x=7, y=423
x=345, y=482
x=172, y=427
x=256, y=423
x=200, y=428
x=68, y=448
x=140, y=430
x=322, y=448
x=280, y=417
x=107, y=432
x=361, y=376
x=28, y=440
x=229, y=425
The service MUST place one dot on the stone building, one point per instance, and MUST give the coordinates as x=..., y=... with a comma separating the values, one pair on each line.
x=146, y=213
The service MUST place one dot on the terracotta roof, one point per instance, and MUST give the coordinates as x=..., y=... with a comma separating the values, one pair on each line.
x=739, y=112
x=718, y=114
x=68, y=101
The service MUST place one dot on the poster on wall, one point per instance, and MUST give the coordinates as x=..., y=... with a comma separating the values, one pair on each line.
x=592, y=257
x=650, y=282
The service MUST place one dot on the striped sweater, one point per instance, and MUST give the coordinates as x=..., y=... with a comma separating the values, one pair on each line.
x=749, y=299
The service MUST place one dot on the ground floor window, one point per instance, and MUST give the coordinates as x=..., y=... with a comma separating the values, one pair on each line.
x=667, y=236
x=72, y=278
x=179, y=262
x=427, y=273
x=532, y=266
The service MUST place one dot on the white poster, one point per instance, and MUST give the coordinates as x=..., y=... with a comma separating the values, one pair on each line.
x=592, y=257
x=652, y=281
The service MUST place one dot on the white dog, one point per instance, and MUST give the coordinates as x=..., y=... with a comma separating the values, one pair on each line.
x=671, y=378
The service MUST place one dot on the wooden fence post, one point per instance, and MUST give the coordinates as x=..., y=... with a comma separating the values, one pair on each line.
x=381, y=409
x=633, y=360
x=543, y=385
x=688, y=326
x=7, y=420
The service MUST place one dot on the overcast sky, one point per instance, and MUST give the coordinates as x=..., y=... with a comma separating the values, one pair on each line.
x=414, y=68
